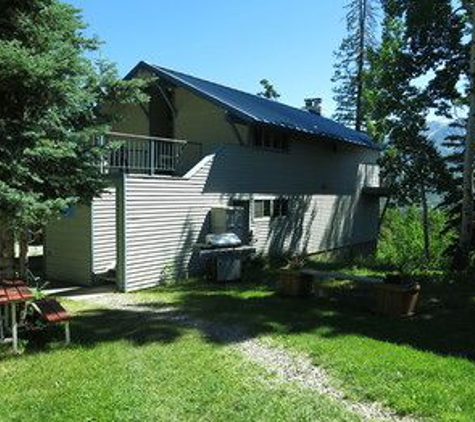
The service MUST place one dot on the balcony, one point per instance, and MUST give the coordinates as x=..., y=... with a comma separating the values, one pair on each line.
x=369, y=175
x=140, y=154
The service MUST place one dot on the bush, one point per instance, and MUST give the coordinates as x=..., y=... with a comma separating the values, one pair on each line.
x=401, y=242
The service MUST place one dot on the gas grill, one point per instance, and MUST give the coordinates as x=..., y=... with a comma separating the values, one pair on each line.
x=222, y=254
x=222, y=240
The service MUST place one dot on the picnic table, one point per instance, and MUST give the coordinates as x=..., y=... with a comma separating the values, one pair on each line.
x=13, y=294
x=15, y=299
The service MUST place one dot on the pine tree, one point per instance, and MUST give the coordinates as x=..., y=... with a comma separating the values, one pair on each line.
x=468, y=203
x=268, y=90
x=442, y=34
x=398, y=109
x=452, y=199
x=50, y=113
x=352, y=62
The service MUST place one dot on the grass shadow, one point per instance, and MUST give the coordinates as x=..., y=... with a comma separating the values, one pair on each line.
x=92, y=327
x=443, y=324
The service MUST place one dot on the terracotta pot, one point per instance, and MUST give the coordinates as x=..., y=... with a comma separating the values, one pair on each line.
x=293, y=283
x=397, y=299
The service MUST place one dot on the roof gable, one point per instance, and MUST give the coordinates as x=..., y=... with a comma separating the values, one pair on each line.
x=261, y=110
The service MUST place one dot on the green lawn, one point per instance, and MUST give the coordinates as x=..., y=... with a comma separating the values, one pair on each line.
x=126, y=368
x=123, y=366
x=422, y=366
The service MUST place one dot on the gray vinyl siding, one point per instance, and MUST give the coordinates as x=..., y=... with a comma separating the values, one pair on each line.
x=164, y=217
x=323, y=185
x=318, y=223
x=68, y=248
x=309, y=168
x=104, y=231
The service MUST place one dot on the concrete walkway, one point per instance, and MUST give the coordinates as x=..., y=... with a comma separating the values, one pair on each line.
x=285, y=366
x=82, y=293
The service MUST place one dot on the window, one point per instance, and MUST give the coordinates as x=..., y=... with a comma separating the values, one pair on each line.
x=267, y=208
x=258, y=209
x=271, y=208
x=268, y=139
x=262, y=208
x=281, y=207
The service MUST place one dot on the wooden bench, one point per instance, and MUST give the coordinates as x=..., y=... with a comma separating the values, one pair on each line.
x=51, y=312
x=337, y=275
x=14, y=297
x=365, y=284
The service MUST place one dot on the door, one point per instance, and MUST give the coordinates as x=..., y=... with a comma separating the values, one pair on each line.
x=242, y=220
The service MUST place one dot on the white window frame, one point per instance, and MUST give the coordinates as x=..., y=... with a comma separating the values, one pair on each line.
x=272, y=200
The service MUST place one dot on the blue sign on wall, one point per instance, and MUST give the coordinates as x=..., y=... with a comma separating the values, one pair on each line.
x=69, y=212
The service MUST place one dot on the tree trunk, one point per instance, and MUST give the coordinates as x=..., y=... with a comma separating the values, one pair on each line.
x=363, y=15
x=383, y=214
x=466, y=230
x=7, y=252
x=425, y=223
x=23, y=258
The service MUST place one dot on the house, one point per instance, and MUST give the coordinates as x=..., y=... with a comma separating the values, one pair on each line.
x=307, y=183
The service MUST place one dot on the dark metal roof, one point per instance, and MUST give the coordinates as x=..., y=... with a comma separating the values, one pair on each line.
x=260, y=110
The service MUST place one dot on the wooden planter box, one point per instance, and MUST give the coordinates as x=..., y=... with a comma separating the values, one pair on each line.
x=397, y=299
x=294, y=284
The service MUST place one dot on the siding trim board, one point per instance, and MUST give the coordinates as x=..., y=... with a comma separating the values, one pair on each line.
x=92, y=243
x=121, y=236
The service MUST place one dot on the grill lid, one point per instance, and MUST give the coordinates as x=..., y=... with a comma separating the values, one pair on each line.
x=223, y=240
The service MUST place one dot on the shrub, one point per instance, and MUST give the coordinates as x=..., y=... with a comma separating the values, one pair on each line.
x=401, y=242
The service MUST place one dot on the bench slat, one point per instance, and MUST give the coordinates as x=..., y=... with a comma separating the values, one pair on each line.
x=25, y=292
x=3, y=296
x=52, y=311
x=13, y=294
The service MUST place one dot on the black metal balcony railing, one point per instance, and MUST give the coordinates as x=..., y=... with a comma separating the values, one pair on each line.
x=146, y=154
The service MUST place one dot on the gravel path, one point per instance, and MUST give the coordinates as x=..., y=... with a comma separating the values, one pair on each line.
x=286, y=366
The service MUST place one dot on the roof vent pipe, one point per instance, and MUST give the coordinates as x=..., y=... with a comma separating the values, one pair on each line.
x=313, y=105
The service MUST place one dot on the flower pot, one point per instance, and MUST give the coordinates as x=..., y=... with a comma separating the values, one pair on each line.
x=397, y=299
x=294, y=284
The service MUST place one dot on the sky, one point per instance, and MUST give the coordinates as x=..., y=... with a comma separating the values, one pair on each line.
x=235, y=43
